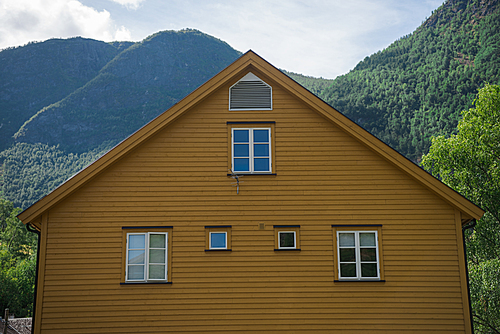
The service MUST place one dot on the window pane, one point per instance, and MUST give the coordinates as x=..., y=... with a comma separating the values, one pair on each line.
x=241, y=165
x=346, y=239
x=135, y=272
x=261, y=165
x=156, y=256
x=369, y=270
x=136, y=257
x=368, y=254
x=367, y=239
x=157, y=240
x=286, y=239
x=261, y=150
x=136, y=241
x=156, y=271
x=218, y=240
x=348, y=270
x=347, y=255
x=241, y=150
x=240, y=136
x=260, y=136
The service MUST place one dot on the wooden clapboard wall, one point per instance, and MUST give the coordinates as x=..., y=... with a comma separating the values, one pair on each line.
x=323, y=176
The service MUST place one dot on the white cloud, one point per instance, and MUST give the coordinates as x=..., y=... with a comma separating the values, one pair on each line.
x=22, y=21
x=315, y=37
x=122, y=34
x=130, y=4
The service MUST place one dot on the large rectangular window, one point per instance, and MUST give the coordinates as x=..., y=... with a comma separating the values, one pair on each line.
x=147, y=257
x=251, y=150
x=358, y=255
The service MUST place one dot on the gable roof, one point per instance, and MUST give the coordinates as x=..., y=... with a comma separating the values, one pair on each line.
x=241, y=66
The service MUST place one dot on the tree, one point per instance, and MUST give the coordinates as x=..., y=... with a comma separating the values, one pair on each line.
x=17, y=262
x=469, y=162
x=16, y=243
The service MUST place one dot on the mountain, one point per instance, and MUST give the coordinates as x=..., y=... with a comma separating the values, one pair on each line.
x=66, y=102
x=416, y=87
x=39, y=74
x=130, y=90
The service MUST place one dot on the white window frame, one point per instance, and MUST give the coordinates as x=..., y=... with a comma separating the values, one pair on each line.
x=146, y=257
x=294, y=240
x=251, y=156
x=358, y=256
x=210, y=239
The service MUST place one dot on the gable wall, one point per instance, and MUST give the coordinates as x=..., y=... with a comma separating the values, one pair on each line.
x=323, y=177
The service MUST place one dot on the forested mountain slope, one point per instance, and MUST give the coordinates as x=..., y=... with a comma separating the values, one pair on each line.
x=129, y=91
x=417, y=87
x=39, y=74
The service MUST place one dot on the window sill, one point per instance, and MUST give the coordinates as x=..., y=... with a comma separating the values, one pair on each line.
x=135, y=283
x=218, y=250
x=357, y=280
x=284, y=249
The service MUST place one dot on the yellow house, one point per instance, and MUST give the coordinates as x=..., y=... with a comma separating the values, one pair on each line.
x=251, y=206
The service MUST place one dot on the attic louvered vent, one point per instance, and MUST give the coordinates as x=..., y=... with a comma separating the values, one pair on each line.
x=250, y=93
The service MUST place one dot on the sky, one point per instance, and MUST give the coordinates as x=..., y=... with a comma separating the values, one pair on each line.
x=320, y=38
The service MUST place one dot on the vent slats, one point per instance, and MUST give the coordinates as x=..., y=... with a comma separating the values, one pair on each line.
x=250, y=94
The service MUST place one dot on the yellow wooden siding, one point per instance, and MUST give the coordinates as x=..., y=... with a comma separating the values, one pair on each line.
x=179, y=178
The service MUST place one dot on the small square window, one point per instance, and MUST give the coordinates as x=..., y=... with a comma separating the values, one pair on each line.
x=218, y=238
x=286, y=240
x=287, y=237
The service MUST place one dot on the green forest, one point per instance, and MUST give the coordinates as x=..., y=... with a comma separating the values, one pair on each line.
x=432, y=95
x=416, y=87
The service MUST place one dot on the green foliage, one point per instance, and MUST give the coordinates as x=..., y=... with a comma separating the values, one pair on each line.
x=413, y=89
x=314, y=85
x=15, y=242
x=485, y=295
x=17, y=262
x=469, y=162
x=31, y=171
x=17, y=286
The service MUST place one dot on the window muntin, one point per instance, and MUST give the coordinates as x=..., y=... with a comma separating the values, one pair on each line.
x=286, y=240
x=218, y=240
x=147, y=255
x=251, y=150
x=358, y=256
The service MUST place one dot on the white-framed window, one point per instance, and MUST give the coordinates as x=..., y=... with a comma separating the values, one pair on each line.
x=286, y=237
x=147, y=257
x=358, y=255
x=251, y=150
x=218, y=240
x=287, y=240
